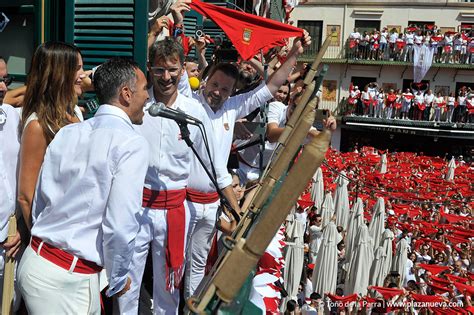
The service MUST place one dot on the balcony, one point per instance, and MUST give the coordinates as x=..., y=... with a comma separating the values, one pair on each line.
x=389, y=56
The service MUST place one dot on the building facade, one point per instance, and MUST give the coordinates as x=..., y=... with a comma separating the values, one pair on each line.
x=321, y=18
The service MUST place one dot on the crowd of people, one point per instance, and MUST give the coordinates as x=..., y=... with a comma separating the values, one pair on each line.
x=378, y=233
x=94, y=198
x=394, y=45
x=416, y=103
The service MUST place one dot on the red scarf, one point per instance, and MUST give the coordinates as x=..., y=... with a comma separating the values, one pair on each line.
x=434, y=269
x=173, y=201
x=249, y=33
x=387, y=293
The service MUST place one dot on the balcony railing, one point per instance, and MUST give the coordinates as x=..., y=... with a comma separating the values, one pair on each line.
x=394, y=54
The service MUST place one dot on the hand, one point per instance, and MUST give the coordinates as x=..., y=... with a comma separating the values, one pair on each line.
x=202, y=42
x=241, y=132
x=126, y=288
x=300, y=43
x=13, y=246
x=330, y=123
x=178, y=8
x=86, y=83
x=160, y=23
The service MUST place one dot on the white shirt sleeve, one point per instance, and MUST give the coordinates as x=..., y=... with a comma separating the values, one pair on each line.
x=248, y=102
x=275, y=112
x=183, y=86
x=120, y=225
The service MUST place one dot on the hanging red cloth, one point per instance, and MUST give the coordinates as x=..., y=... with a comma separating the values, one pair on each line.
x=387, y=293
x=434, y=269
x=249, y=33
x=342, y=299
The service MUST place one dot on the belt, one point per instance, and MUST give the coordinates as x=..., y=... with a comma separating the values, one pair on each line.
x=63, y=259
x=201, y=197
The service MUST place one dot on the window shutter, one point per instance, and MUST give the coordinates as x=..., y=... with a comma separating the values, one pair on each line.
x=103, y=29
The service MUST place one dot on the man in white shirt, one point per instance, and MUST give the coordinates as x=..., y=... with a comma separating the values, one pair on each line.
x=223, y=111
x=409, y=38
x=164, y=217
x=354, y=39
x=87, y=200
x=9, y=150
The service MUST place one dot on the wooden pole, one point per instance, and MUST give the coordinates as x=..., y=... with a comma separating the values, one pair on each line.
x=9, y=273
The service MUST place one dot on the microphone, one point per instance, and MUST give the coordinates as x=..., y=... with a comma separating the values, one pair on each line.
x=160, y=110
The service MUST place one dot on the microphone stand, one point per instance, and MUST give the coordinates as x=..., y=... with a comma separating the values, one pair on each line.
x=183, y=127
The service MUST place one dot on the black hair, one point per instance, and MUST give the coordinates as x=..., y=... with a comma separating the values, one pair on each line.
x=111, y=76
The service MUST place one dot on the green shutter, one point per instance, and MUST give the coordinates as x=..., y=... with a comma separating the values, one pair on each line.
x=103, y=29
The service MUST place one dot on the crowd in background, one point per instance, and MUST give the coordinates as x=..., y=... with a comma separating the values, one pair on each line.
x=395, y=229
x=416, y=103
x=394, y=45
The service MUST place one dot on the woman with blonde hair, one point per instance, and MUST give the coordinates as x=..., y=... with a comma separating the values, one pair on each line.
x=53, y=86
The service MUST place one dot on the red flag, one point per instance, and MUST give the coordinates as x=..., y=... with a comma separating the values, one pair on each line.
x=342, y=299
x=249, y=33
x=434, y=269
x=464, y=287
x=387, y=293
x=452, y=218
x=456, y=278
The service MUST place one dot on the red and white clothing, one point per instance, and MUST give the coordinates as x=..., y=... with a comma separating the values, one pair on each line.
x=164, y=216
x=84, y=214
x=203, y=212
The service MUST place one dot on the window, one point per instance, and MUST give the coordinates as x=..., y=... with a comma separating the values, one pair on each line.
x=18, y=53
x=361, y=82
x=407, y=84
x=422, y=25
x=367, y=25
x=315, y=29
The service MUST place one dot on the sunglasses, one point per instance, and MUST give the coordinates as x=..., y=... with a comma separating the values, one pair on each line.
x=7, y=80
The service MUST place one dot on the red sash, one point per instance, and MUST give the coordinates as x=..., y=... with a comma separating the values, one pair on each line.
x=352, y=43
x=376, y=46
x=448, y=49
x=398, y=105
x=352, y=100
x=201, y=197
x=421, y=105
x=173, y=201
x=366, y=102
x=63, y=259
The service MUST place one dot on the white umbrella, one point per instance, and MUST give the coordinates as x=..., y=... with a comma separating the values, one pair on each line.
x=341, y=201
x=377, y=224
x=382, y=260
x=400, y=260
x=294, y=259
x=357, y=278
x=325, y=268
x=383, y=164
x=327, y=209
x=356, y=220
x=317, y=189
x=451, y=167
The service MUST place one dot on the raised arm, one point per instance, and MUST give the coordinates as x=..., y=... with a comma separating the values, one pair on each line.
x=281, y=75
